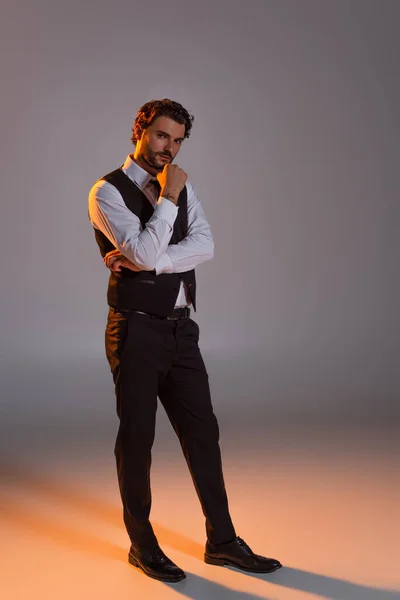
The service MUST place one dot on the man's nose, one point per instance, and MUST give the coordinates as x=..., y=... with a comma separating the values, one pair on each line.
x=168, y=146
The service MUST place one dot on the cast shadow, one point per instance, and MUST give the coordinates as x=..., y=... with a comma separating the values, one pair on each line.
x=193, y=586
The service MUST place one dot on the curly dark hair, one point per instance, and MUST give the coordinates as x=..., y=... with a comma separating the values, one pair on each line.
x=160, y=108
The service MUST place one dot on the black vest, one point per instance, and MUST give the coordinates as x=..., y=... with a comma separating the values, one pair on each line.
x=144, y=290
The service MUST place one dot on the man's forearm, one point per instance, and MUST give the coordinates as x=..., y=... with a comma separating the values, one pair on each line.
x=186, y=255
x=178, y=258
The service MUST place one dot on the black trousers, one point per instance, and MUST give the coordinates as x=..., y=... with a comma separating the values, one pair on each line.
x=152, y=358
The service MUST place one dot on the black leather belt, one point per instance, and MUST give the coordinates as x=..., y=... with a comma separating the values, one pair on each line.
x=180, y=313
x=177, y=313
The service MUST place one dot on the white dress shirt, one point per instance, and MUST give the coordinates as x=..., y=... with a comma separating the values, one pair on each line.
x=148, y=248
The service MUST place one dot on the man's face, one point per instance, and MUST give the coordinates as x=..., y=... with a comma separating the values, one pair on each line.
x=159, y=144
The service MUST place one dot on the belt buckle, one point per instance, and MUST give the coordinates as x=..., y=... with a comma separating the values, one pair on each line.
x=183, y=314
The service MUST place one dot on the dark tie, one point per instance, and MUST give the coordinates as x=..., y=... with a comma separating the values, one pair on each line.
x=157, y=186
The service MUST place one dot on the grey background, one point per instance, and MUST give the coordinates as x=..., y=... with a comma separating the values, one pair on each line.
x=295, y=155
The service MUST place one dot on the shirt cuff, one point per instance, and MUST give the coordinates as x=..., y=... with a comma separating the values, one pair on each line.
x=164, y=264
x=165, y=209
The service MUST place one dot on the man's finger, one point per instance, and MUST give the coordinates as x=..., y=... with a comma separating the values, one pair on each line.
x=110, y=260
x=116, y=265
x=112, y=253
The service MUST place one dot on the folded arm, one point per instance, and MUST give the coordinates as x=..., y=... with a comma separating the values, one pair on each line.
x=142, y=247
x=195, y=248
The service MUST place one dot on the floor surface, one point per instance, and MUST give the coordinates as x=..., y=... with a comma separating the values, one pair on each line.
x=324, y=501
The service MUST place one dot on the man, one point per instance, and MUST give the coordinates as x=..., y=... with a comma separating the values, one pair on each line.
x=152, y=233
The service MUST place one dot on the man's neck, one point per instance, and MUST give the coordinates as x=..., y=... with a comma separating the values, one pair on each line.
x=144, y=165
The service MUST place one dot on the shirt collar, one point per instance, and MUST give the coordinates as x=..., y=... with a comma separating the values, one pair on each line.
x=136, y=173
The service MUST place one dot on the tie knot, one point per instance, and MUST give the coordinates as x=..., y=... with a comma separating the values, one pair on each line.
x=156, y=184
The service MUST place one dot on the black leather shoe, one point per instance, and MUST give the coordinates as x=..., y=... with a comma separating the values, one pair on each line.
x=238, y=554
x=155, y=564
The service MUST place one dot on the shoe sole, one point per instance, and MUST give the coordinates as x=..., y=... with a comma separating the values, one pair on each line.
x=222, y=562
x=135, y=563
